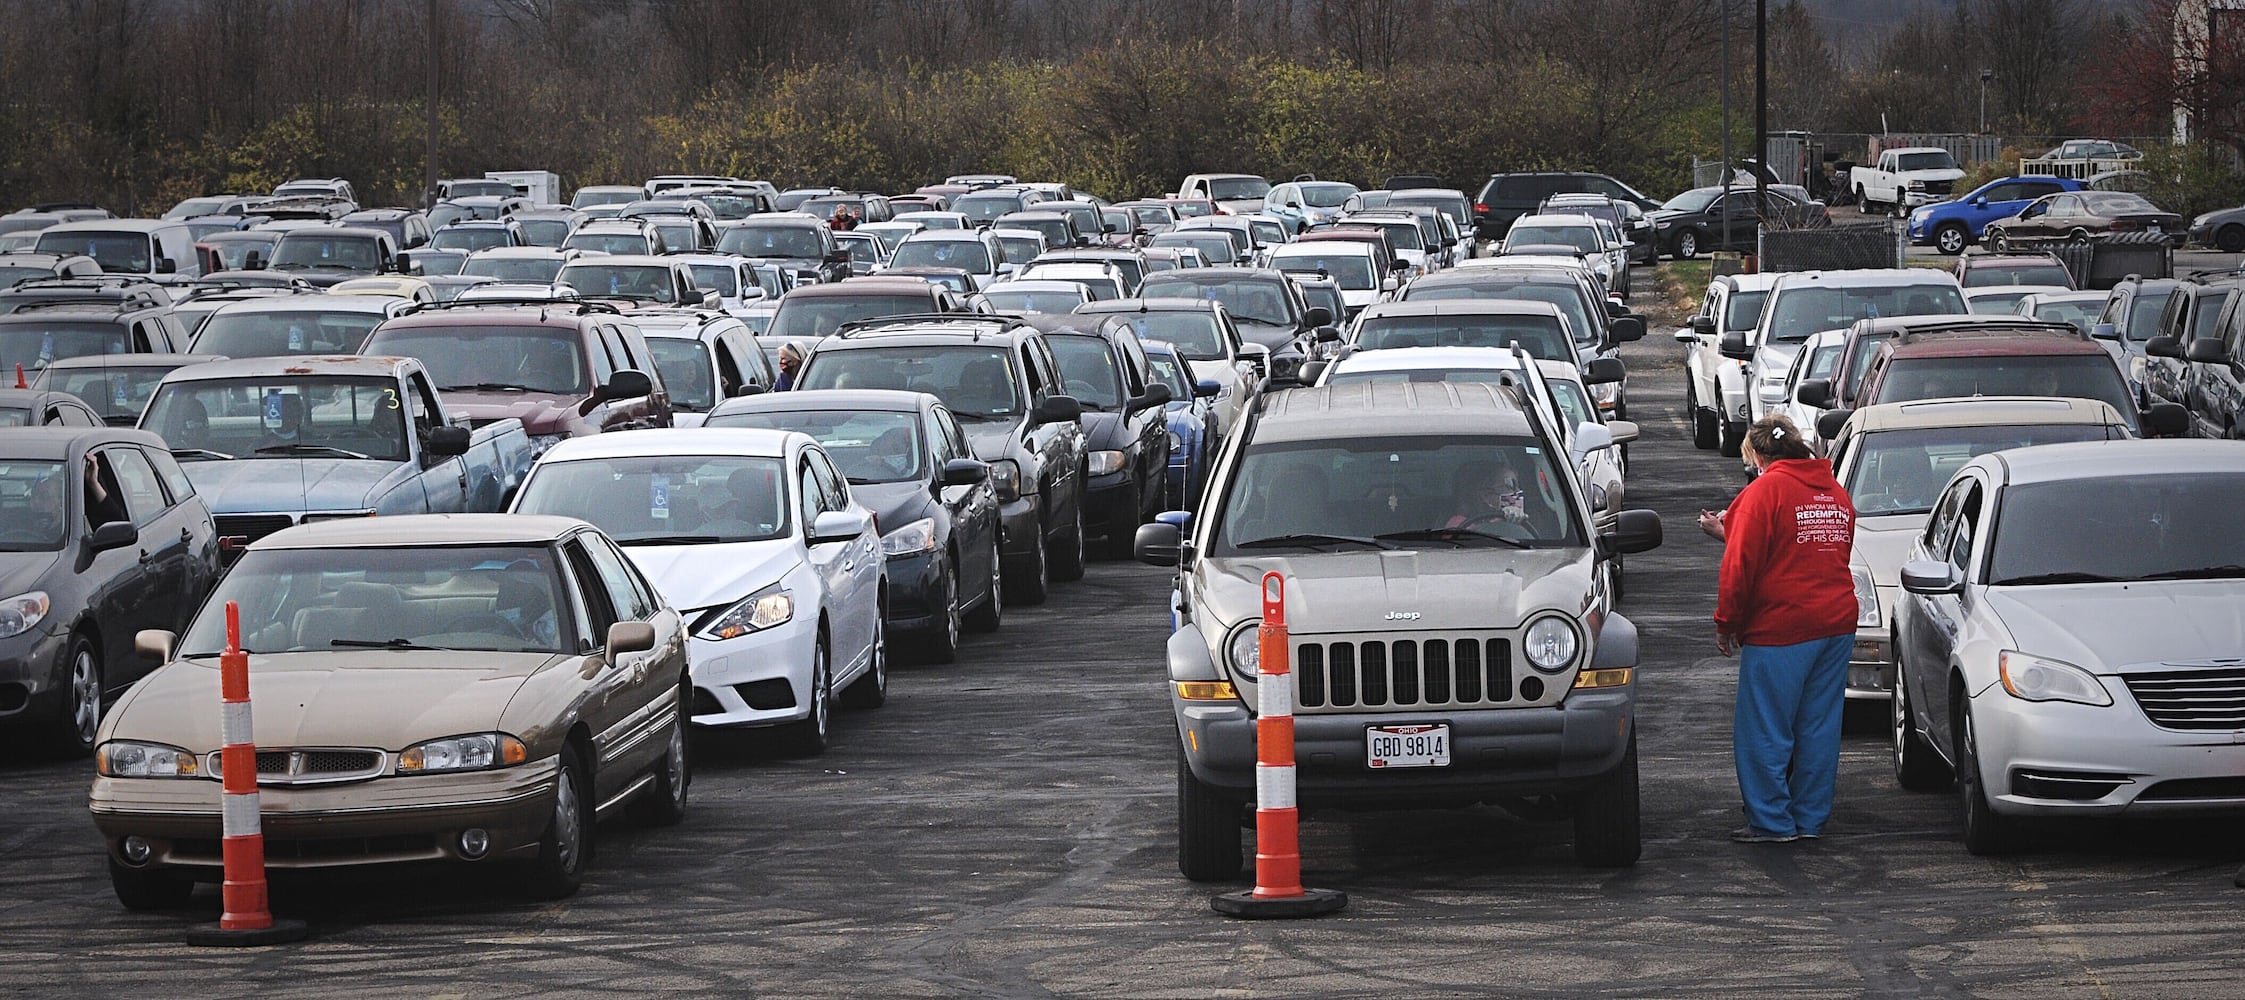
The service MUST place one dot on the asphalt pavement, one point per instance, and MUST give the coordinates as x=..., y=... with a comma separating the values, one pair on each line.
x=1004, y=827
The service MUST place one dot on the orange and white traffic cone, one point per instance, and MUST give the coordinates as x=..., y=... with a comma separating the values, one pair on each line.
x=247, y=920
x=1278, y=892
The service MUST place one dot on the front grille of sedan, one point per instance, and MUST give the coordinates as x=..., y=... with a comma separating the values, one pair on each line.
x=308, y=766
x=2192, y=699
x=251, y=527
x=1465, y=670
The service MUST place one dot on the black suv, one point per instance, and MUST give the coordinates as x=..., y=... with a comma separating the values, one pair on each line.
x=2198, y=357
x=1125, y=421
x=1508, y=196
x=998, y=376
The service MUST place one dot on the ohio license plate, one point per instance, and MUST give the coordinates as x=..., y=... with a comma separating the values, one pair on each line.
x=1388, y=747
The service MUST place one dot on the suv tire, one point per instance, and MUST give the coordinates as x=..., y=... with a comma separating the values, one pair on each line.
x=1732, y=437
x=1208, y=829
x=1707, y=425
x=1031, y=581
x=1951, y=238
x=1607, y=830
x=1068, y=563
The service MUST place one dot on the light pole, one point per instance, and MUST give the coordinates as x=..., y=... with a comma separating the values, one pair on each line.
x=1986, y=75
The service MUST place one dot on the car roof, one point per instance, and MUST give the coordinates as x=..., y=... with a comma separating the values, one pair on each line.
x=1460, y=307
x=1392, y=359
x=1321, y=248
x=1985, y=411
x=864, y=284
x=139, y=360
x=1990, y=291
x=421, y=530
x=1759, y=281
x=2064, y=295
x=624, y=259
x=1866, y=278
x=945, y=235
x=2103, y=459
x=113, y=226
x=523, y=253
x=330, y=364
x=331, y=232
x=1557, y=219
x=1157, y=304
x=2005, y=259
x=1325, y=413
x=1970, y=347
x=1034, y=285
x=310, y=302
x=892, y=400
x=748, y=442
x=56, y=443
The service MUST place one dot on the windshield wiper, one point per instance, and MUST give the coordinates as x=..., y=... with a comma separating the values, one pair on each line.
x=387, y=644
x=300, y=448
x=1311, y=538
x=1454, y=535
x=2047, y=578
x=483, y=387
x=982, y=418
x=201, y=453
x=671, y=540
x=2197, y=573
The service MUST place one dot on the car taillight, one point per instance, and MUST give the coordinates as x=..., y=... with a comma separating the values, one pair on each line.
x=1481, y=208
x=2126, y=224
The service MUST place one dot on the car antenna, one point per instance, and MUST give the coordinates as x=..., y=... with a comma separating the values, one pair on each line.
x=20, y=383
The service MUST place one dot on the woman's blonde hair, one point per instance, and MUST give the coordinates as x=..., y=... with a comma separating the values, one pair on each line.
x=1775, y=438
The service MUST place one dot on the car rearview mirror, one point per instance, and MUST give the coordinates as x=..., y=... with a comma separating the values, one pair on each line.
x=1703, y=326
x=2104, y=331
x=1604, y=371
x=1326, y=334
x=1930, y=577
x=838, y=257
x=1627, y=329
x=1310, y=372
x=1829, y=422
x=628, y=384
x=749, y=389
x=2166, y=420
x=1318, y=316
x=1634, y=531
x=1816, y=392
x=630, y=637
x=1208, y=387
x=154, y=643
x=1058, y=410
x=2164, y=347
x=1157, y=544
x=837, y=526
x=964, y=472
x=1623, y=431
x=166, y=265
x=1735, y=347
x=2207, y=351
x=1155, y=395
x=445, y=442
x=112, y=535
x=1590, y=437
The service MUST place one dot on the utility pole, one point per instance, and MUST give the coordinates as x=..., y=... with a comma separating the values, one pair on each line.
x=1725, y=196
x=1761, y=124
x=428, y=191
x=1985, y=76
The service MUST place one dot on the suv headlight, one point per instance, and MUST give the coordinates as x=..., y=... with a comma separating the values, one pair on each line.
x=1106, y=462
x=128, y=759
x=477, y=752
x=912, y=539
x=758, y=611
x=1005, y=475
x=1246, y=648
x=1866, y=597
x=2036, y=678
x=22, y=613
x=1551, y=644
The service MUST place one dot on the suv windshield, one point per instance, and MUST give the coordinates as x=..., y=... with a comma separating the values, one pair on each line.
x=1582, y=238
x=2052, y=274
x=772, y=241
x=987, y=207
x=1799, y=313
x=1194, y=334
x=475, y=359
x=870, y=446
x=489, y=598
x=1250, y=300
x=301, y=251
x=1539, y=335
x=1350, y=271
x=665, y=499
x=1006, y=299
x=975, y=381
x=470, y=239
x=720, y=278
x=34, y=502
x=1087, y=367
x=537, y=271
x=639, y=283
x=258, y=334
x=798, y=316
x=2075, y=376
x=685, y=369
x=33, y=345
x=966, y=255
x=2181, y=526
x=303, y=416
x=1903, y=471
x=1472, y=490
x=628, y=242
x=1744, y=309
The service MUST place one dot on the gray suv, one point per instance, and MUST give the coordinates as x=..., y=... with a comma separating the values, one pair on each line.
x=1452, y=635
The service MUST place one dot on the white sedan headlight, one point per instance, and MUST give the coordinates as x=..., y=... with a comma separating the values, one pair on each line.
x=1106, y=462
x=1866, y=597
x=758, y=611
x=128, y=759
x=2037, y=678
x=476, y=752
x=22, y=613
x=912, y=539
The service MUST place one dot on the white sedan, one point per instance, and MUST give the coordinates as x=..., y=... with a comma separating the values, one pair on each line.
x=753, y=537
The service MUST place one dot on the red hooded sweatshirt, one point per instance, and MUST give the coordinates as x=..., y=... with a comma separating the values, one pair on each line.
x=1785, y=559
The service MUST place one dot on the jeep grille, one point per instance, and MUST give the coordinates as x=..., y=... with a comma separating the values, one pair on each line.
x=1364, y=674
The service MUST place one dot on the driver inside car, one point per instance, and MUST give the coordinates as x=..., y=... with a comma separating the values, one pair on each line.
x=1488, y=493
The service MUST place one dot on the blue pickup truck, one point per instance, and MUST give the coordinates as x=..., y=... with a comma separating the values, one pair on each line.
x=1950, y=226
x=274, y=442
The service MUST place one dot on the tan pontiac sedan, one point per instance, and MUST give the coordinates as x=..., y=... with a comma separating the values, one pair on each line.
x=466, y=687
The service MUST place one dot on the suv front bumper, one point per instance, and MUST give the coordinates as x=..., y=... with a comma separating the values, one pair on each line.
x=1494, y=753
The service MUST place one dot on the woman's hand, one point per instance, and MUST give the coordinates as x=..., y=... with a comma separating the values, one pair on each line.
x=1726, y=644
x=1711, y=522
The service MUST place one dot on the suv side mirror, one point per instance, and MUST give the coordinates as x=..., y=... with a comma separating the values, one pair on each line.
x=628, y=384
x=166, y=265
x=2104, y=331
x=1310, y=372
x=1318, y=316
x=1734, y=346
x=1156, y=395
x=1623, y=431
x=1829, y=423
x=447, y=441
x=964, y=472
x=154, y=643
x=1326, y=334
x=2206, y=351
x=1207, y=388
x=112, y=535
x=1703, y=326
x=1815, y=392
x=1930, y=577
x=1980, y=202
x=2166, y=420
x=1056, y=410
x=1604, y=371
x=2164, y=347
x=1627, y=329
x=838, y=257
x=253, y=261
x=748, y=389
x=1158, y=544
x=1634, y=531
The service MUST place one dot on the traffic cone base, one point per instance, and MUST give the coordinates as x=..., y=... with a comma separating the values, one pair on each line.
x=282, y=931
x=1246, y=905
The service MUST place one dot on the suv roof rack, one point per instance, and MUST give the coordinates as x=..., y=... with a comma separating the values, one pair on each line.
x=577, y=307
x=879, y=324
x=1974, y=327
x=83, y=281
x=2216, y=274
x=129, y=303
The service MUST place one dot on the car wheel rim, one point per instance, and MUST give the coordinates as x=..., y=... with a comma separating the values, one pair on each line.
x=1951, y=241
x=85, y=695
x=881, y=657
x=1898, y=717
x=677, y=766
x=1687, y=245
x=951, y=609
x=568, y=832
x=819, y=693
x=997, y=572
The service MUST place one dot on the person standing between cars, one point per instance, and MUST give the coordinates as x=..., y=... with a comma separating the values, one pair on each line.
x=1787, y=607
x=791, y=361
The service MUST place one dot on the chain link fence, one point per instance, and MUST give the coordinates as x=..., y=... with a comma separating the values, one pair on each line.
x=1865, y=245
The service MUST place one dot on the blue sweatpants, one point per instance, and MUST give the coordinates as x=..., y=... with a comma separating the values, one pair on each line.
x=1785, y=735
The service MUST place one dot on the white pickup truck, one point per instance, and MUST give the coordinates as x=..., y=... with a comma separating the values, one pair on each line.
x=1905, y=178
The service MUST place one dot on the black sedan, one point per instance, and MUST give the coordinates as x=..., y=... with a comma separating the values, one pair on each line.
x=100, y=536
x=2081, y=216
x=1711, y=218
x=908, y=462
x=1125, y=422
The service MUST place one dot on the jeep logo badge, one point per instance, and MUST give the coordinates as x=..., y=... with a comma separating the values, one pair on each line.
x=1403, y=616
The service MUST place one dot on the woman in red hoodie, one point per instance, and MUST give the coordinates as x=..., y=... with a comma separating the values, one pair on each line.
x=1787, y=607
